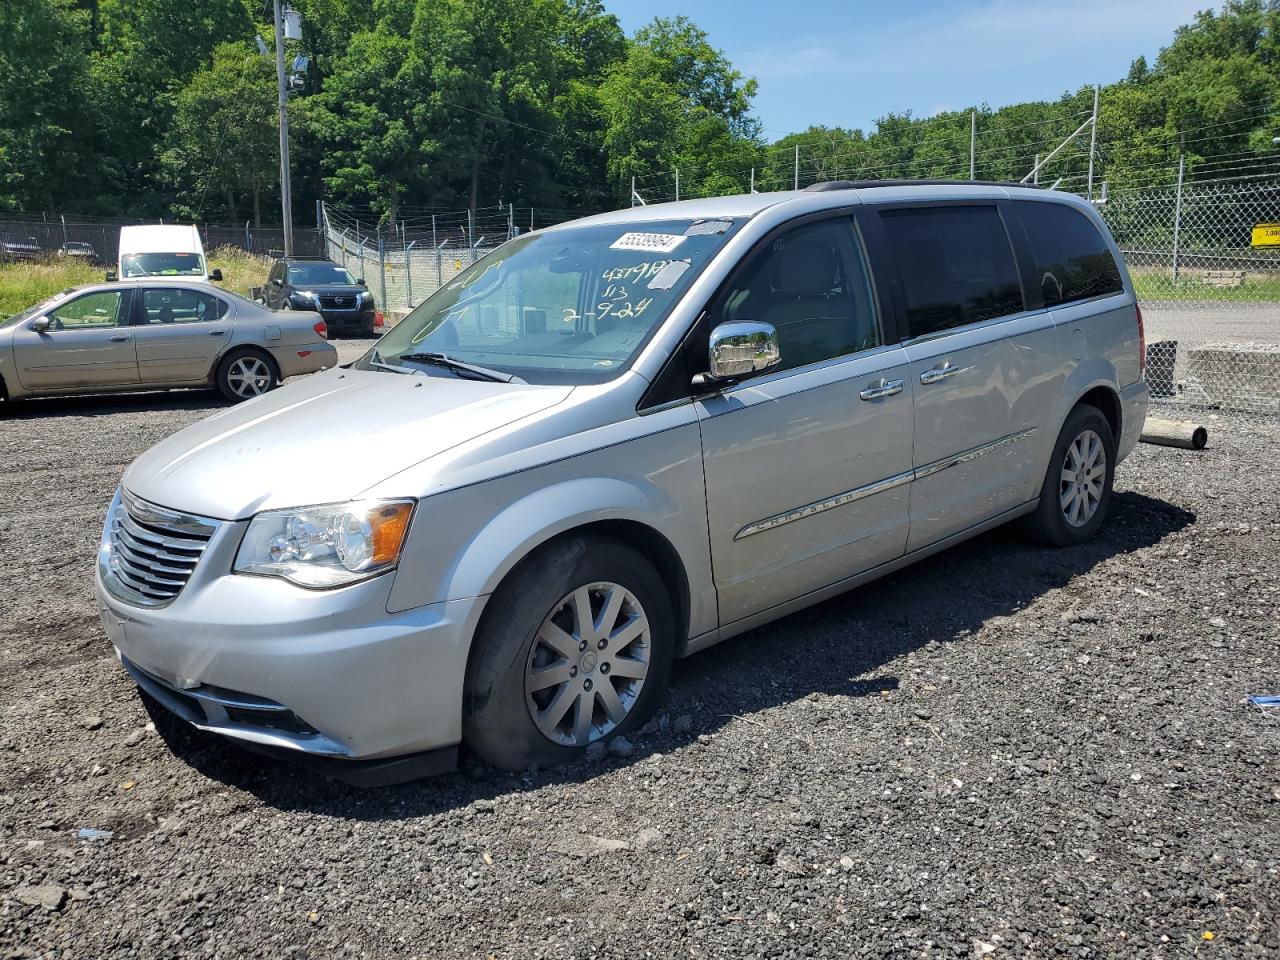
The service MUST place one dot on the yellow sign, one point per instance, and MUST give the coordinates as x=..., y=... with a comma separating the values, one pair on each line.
x=1266, y=234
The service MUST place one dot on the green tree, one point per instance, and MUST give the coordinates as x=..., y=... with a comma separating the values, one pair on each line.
x=675, y=102
x=223, y=143
x=364, y=123
x=43, y=83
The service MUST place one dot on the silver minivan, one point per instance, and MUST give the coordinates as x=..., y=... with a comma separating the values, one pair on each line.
x=616, y=442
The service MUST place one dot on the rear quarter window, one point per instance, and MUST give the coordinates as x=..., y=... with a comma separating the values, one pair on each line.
x=1072, y=260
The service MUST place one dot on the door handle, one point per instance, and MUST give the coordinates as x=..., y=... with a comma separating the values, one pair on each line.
x=881, y=388
x=217, y=333
x=944, y=371
x=119, y=338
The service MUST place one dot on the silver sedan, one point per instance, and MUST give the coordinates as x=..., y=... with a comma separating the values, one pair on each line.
x=155, y=334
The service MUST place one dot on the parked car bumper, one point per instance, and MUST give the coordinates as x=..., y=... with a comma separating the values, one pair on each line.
x=325, y=674
x=299, y=359
x=349, y=321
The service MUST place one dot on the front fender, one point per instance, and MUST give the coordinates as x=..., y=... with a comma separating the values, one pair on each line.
x=463, y=542
x=545, y=514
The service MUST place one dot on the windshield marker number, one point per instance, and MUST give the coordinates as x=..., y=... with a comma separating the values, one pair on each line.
x=649, y=242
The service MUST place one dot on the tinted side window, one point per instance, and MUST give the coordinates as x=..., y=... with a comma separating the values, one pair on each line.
x=813, y=285
x=1071, y=258
x=955, y=264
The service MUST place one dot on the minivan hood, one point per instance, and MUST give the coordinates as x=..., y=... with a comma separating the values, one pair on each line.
x=324, y=439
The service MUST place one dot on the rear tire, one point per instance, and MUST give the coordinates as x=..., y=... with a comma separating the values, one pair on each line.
x=1076, y=491
x=541, y=687
x=245, y=374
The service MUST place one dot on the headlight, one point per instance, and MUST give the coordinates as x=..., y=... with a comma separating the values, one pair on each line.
x=366, y=297
x=304, y=296
x=326, y=546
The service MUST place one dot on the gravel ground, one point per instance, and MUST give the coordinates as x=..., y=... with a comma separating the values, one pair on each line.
x=1004, y=751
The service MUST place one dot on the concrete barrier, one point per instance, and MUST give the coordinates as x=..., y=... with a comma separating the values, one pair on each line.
x=1237, y=376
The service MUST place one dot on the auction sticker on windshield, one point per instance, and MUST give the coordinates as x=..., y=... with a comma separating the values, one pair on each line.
x=649, y=242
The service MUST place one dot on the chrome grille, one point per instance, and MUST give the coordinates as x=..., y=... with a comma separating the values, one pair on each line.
x=154, y=550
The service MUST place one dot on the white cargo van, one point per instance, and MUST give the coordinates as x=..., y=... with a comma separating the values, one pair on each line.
x=162, y=250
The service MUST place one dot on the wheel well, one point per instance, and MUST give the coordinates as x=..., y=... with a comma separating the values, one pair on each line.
x=654, y=547
x=1107, y=402
x=236, y=351
x=4, y=391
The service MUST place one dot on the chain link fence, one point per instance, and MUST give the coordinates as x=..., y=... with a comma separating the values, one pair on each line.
x=99, y=242
x=1210, y=300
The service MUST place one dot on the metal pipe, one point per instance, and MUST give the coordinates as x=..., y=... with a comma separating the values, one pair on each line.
x=282, y=92
x=1054, y=152
x=1093, y=138
x=1177, y=216
x=973, y=143
x=1174, y=433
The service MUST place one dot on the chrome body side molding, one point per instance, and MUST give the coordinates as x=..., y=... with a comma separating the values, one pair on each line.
x=879, y=486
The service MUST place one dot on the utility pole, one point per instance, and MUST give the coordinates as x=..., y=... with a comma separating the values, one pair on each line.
x=677, y=184
x=1093, y=139
x=795, y=184
x=282, y=89
x=973, y=143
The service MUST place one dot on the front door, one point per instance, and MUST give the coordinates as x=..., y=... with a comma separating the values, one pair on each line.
x=88, y=344
x=985, y=370
x=807, y=467
x=179, y=331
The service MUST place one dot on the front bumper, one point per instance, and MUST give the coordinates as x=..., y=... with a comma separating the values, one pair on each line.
x=315, y=673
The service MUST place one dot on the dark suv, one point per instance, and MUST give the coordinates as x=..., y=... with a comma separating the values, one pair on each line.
x=324, y=287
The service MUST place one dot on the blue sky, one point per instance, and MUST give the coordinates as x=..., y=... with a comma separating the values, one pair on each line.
x=846, y=63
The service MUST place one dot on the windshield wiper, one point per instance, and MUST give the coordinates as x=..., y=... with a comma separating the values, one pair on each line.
x=457, y=366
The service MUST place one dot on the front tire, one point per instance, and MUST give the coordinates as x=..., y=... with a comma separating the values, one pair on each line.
x=575, y=648
x=1076, y=491
x=245, y=374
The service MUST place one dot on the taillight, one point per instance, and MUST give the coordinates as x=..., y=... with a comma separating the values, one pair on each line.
x=1142, y=343
x=323, y=331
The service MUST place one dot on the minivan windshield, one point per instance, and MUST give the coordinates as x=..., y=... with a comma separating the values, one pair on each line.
x=311, y=273
x=572, y=305
x=162, y=265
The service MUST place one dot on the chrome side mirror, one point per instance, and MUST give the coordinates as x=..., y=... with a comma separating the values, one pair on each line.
x=740, y=349
x=39, y=325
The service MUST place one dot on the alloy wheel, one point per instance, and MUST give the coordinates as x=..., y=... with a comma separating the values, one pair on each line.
x=249, y=377
x=588, y=663
x=1084, y=474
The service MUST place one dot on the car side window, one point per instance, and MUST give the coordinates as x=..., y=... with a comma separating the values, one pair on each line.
x=814, y=286
x=101, y=309
x=1072, y=260
x=955, y=265
x=167, y=305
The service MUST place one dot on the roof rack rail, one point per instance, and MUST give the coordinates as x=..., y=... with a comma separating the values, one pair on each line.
x=827, y=185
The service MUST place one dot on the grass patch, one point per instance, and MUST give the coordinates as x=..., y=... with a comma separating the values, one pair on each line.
x=23, y=284
x=1159, y=285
